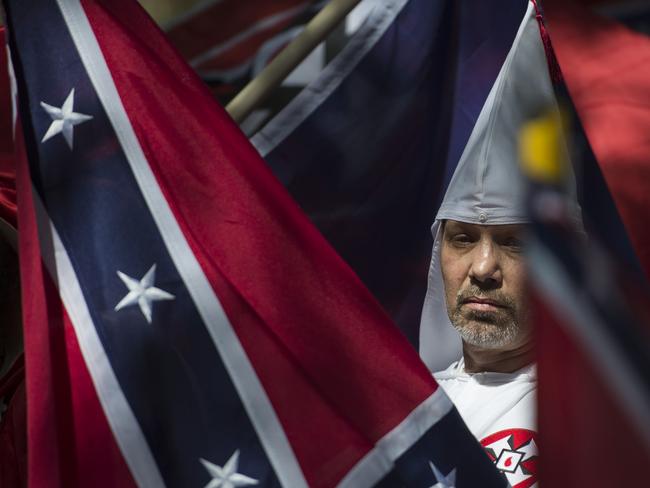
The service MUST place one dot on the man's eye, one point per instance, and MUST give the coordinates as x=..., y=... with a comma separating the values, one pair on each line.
x=461, y=239
x=513, y=243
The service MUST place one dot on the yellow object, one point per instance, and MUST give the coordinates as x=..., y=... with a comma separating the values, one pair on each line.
x=542, y=150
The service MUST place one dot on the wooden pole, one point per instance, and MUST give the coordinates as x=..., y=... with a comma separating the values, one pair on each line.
x=271, y=77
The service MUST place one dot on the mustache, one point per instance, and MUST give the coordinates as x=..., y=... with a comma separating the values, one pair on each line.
x=498, y=297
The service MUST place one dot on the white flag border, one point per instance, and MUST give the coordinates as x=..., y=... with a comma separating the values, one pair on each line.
x=120, y=416
x=315, y=93
x=380, y=460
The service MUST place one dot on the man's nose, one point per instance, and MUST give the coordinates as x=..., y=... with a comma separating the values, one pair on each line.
x=485, y=268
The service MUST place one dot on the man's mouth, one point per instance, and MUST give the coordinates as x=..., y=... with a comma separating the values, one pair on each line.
x=483, y=304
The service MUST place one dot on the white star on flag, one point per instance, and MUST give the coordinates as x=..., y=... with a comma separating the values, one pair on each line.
x=142, y=292
x=443, y=481
x=64, y=119
x=227, y=476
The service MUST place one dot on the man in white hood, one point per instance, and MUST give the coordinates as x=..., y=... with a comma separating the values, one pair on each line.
x=477, y=301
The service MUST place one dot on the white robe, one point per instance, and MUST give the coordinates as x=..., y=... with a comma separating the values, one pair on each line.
x=500, y=410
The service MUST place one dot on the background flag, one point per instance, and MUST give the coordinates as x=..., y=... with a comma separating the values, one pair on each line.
x=604, y=65
x=368, y=149
x=185, y=324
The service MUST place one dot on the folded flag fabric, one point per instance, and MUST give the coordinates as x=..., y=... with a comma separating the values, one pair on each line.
x=185, y=324
x=604, y=66
x=591, y=320
x=589, y=291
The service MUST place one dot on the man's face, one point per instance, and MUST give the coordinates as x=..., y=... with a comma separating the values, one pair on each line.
x=485, y=283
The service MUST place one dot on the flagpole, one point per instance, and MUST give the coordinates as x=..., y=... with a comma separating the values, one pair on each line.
x=258, y=89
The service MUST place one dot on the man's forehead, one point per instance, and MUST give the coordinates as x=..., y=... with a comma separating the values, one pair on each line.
x=495, y=229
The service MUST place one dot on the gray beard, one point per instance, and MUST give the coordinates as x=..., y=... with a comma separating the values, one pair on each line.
x=486, y=329
x=483, y=329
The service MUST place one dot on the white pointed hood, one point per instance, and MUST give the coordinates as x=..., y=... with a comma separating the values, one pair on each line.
x=487, y=186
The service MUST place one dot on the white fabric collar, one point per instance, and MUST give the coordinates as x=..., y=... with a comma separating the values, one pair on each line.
x=456, y=370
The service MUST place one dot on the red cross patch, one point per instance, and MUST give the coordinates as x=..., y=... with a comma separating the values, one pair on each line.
x=514, y=452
